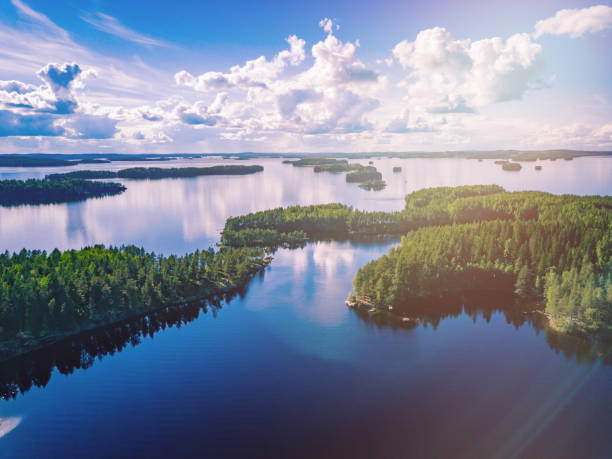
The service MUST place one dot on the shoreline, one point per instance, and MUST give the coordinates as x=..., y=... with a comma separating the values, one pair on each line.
x=551, y=323
x=24, y=343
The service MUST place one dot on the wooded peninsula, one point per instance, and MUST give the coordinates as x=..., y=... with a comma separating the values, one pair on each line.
x=76, y=185
x=552, y=250
x=537, y=246
x=150, y=173
x=45, y=191
x=45, y=297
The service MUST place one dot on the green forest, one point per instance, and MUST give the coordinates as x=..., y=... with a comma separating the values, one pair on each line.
x=551, y=249
x=159, y=173
x=368, y=177
x=546, y=249
x=34, y=191
x=46, y=293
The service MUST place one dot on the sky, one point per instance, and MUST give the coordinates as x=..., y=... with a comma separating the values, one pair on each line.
x=204, y=77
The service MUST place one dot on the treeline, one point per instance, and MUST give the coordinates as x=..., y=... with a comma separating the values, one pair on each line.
x=363, y=174
x=367, y=177
x=44, y=161
x=557, y=249
x=34, y=191
x=159, y=173
x=290, y=225
x=509, y=166
x=46, y=293
x=423, y=208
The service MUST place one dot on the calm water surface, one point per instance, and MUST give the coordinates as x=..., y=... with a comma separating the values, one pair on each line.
x=285, y=369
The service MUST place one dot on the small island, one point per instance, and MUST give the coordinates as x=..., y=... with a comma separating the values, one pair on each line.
x=508, y=166
x=45, y=191
x=367, y=177
x=538, y=168
x=151, y=173
x=375, y=185
x=397, y=169
x=363, y=174
x=44, y=161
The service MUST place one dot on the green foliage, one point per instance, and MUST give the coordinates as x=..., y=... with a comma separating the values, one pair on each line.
x=32, y=161
x=557, y=248
x=508, y=166
x=83, y=175
x=363, y=174
x=317, y=161
x=63, y=290
x=159, y=173
x=33, y=191
x=290, y=225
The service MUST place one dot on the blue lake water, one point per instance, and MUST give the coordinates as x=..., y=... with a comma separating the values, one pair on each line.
x=285, y=369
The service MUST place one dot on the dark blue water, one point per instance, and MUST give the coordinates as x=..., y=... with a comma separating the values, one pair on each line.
x=285, y=369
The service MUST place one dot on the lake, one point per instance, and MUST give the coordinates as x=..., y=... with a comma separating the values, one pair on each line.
x=284, y=368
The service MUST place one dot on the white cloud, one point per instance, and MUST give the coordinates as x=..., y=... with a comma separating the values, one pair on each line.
x=444, y=93
x=112, y=26
x=254, y=73
x=327, y=25
x=39, y=18
x=459, y=76
x=330, y=95
x=576, y=22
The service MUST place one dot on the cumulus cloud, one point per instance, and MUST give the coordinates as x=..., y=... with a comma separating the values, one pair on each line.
x=459, y=76
x=405, y=124
x=577, y=135
x=55, y=96
x=198, y=114
x=576, y=22
x=327, y=25
x=85, y=126
x=15, y=124
x=443, y=89
x=332, y=94
x=51, y=109
x=254, y=73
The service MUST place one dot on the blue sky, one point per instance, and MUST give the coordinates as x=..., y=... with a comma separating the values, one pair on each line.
x=329, y=76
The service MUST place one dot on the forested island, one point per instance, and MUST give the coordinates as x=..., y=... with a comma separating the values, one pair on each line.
x=554, y=249
x=513, y=155
x=35, y=191
x=45, y=297
x=541, y=247
x=159, y=173
x=44, y=161
x=509, y=166
x=76, y=185
x=56, y=159
x=367, y=177
x=544, y=249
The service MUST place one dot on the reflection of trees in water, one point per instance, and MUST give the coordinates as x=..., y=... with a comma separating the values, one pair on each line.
x=580, y=348
x=20, y=374
x=75, y=225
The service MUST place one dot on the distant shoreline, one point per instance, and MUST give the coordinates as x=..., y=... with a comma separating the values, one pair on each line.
x=71, y=159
